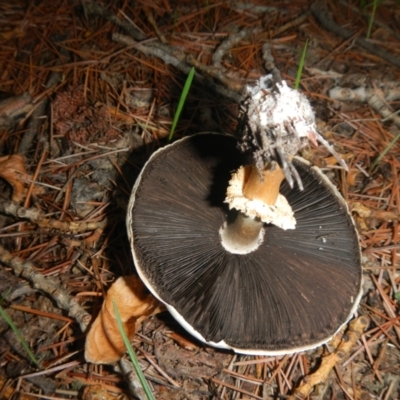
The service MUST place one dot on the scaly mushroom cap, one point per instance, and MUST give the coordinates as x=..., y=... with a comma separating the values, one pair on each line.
x=291, y=294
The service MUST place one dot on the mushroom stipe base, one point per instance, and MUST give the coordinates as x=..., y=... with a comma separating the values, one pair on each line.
x=291, y=294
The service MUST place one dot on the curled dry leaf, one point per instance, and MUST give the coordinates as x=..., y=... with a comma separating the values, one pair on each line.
x=104, y=343
x=12, y=169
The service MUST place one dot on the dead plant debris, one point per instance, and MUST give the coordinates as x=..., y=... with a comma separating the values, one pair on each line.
x=88, y=90
x=104, y=343
x=12, y=169
x=74, y=119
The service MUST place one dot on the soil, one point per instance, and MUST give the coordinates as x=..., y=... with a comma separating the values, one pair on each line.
x=89, y=90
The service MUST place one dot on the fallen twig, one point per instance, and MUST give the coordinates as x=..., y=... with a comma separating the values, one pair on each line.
x=327, y=21
x=177, y=59
x=91, y=7
x=376, y=97
x=32, y=214
x=26, y=269
x=356, y=329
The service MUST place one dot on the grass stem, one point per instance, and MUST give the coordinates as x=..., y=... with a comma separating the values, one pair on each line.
x=132, y=355
x=301, y=66
x=181, y=103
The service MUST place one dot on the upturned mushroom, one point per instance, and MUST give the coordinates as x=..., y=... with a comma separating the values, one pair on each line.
x=289, y=290
x=241, y=257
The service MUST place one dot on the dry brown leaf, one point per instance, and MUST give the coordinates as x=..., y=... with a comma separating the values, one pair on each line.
x=12, y=169
x=104, y=344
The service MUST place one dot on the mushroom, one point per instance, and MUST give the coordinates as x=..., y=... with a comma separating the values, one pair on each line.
x=277, y=291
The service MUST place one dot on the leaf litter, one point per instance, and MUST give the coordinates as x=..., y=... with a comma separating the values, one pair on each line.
x=110, y=76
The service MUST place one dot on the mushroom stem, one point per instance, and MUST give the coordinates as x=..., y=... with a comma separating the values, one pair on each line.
x=264, y=185
x=255, y=194
x=243, y=235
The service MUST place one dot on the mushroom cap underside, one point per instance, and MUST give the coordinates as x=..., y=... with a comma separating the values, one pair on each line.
x=292, y=293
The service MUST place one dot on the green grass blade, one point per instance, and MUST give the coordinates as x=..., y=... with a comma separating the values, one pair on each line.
x=9, y=321
x=301, y=66
x=175, y=16
x=132, y=355
x=181, y=103
x=388, y=147
x=372, y=17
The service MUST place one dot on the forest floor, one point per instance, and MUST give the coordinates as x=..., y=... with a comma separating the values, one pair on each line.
x=88, y=92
